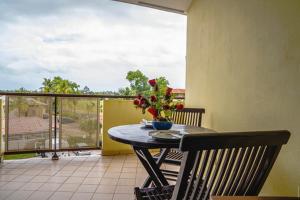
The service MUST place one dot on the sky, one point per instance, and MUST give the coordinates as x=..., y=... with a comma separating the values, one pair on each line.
x=92, y=42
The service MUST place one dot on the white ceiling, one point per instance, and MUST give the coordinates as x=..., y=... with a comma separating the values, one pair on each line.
x=177, y=6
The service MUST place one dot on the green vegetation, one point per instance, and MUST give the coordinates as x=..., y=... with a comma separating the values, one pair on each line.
x=139, y=84
x=19, y=156
x=60, y=86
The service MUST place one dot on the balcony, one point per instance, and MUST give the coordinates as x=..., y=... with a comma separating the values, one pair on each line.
x=242, y=66
x=57, y=123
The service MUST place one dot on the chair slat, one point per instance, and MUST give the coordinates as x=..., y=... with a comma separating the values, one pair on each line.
x=235, y=170
x=241, y=186
x=200, y=175
x=222, y=173
x=240, y=171
x=227, y=173
x=193, y=175
x=253, y=167
x=217, y=168
x=207, y=174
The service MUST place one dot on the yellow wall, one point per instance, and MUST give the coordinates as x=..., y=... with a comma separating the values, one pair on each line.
x=243, y=67
x=116, y=113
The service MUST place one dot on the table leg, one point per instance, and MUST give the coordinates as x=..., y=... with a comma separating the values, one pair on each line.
x=152, y=167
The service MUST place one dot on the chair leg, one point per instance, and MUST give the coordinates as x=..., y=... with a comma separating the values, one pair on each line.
x=137, y=193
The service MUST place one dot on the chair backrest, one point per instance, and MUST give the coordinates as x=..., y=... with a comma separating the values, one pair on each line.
x=226, y=164
x=188, y=116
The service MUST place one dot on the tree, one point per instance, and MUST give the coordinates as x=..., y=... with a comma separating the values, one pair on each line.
x=59, y=86
x=86, y=90
x=125, y=91
x=139, y=84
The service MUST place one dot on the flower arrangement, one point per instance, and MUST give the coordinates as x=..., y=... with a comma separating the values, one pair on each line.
x=160, y=103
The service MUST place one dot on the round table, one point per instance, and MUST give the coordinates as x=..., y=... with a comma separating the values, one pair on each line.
x=138, y=137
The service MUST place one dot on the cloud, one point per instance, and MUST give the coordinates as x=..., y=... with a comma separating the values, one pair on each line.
x=94, y=43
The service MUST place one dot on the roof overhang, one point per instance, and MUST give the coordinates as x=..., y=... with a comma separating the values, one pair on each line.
x=176, y=6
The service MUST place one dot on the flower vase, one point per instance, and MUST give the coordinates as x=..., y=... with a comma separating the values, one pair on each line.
x=162, y=125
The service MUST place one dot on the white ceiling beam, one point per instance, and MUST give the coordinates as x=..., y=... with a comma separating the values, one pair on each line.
x=175, y=6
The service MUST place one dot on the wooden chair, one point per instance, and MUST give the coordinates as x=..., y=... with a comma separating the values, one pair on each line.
x=222, y=164
x=187, y=116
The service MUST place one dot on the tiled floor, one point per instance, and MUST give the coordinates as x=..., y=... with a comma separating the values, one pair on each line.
x=89, y=177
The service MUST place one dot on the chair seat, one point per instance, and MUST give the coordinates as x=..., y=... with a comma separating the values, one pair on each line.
x=173, y=157
x=157, y=193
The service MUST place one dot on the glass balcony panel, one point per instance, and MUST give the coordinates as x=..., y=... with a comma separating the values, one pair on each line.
x=28, y=123
x=78, y=123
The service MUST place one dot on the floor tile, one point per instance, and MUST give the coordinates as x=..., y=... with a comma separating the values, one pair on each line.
x=126, y=181
x=128, y=175
x=112, y=175
x=80, y=174
x=5, y=193
x=121, y=189
x=64, y=173
x=12, y=186
x=49, y=187
x=19, y=195
x=61, y=196
x=23, y=178
x=40, y=179
x=40, y=195
x=104, y=189
x=74, y=180
x=7, y=177
x=82, y=196
x=91, y=180
x=98, y=196
x=129, y=164
x=129, y=169
x=87, y=188
x=123, y=197
x=57, y=179
x=109, y=181
x=31, y=186
x=68, y=187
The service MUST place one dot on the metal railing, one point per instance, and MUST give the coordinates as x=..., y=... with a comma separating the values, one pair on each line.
x=35, y=122
x=43, y=122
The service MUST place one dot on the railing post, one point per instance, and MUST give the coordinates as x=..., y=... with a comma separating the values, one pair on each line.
x=1, y=153
x=55, y=156
x=6, y=113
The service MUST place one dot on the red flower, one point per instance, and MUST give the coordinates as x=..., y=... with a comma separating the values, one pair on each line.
x=152, y=82
x=166, y=107
x=139, y=96
x=136, y=102
x=153, y=112
x=153, y=98
x=168, y=91
x=179, y=106
x=142, y=101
